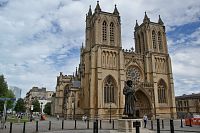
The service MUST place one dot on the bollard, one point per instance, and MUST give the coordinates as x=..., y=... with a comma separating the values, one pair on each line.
x=49, y=125
x=24, y=127
x=151, y=124
x=162, y=124
x=190, y=122
x=88, y=124
x=36, y=126
x=100, y=124
x=75, y=124
x=137, y=126
x=181, y=123
x=113, y=125
x=10, y=127
x=158, y=126
x=62, y=124
x=97, y=124
x=95, y=127
x=171, y=126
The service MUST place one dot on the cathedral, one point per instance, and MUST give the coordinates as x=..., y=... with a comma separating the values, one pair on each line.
x=96, y=88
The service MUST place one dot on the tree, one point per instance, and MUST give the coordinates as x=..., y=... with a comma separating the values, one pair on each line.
x=3, y=86
x=5, y=92
x=10, y=94
x=20, y=106
x=47, y=108
x=36, y=106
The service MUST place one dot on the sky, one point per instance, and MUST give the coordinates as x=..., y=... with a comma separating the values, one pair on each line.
x=41, y=38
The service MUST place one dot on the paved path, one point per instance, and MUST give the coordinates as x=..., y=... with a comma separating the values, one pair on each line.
x=69, y=127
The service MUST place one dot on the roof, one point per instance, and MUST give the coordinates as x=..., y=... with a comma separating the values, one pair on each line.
x=190, y=96
x=76, y=84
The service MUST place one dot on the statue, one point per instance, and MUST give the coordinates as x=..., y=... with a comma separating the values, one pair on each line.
x=130, y=99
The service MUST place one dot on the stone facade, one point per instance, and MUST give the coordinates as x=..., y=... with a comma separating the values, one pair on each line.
x=188, y=104
x=66, y=100
x=40, y=94
x=105, y=66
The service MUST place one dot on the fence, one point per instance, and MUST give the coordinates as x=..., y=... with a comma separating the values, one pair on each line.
x=56, y=125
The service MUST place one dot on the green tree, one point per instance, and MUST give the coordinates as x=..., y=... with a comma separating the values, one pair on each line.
x=5, y=92
x=47, y=108
x=10, y=94
x=36, y=106
x=3, y=86
x=20, y=106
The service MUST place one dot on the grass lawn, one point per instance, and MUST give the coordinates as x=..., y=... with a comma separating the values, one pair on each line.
x=14, y=119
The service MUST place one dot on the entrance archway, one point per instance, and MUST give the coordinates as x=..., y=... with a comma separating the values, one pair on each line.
x=143, y=105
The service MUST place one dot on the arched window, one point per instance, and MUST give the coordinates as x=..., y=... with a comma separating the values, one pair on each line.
x=139, y=44
x=154, y=39
x=109, y=93
x=143, y=45
x=160, y=41
x=104, y=31
x=162, y=91
x=111, y=32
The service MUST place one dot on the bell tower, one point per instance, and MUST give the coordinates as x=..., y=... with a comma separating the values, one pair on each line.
x=102, y=61
x=150, y=42
x=103, y=28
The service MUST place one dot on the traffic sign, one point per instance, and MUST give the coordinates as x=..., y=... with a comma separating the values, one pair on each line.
x=7, y=99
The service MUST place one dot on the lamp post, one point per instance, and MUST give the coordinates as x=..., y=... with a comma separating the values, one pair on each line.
x=41, y=107
x=74, y=106
x=110, y=113
x=110, y=103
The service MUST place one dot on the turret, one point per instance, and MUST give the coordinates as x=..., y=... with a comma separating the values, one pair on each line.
x=90, y=11
x=136, y=25
x=160, y=21
x=146, y=19
x=97, y=9
x=116, y=12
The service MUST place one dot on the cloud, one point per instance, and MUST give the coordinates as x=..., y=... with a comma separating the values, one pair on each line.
x=41, y=38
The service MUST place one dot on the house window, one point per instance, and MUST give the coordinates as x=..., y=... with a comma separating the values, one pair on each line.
x=160, y=41
x=154, y=39
x=111, y=32
x=104, y=31
x=139, y=44
x=109, y=87
x=143, y=42
x=162, y=92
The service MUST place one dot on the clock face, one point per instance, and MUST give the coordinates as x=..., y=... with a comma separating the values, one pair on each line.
x=133, y=74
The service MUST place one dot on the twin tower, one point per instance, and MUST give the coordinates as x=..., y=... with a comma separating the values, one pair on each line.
x=105, y=66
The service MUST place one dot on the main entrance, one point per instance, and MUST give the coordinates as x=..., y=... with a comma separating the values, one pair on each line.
x=143, y=105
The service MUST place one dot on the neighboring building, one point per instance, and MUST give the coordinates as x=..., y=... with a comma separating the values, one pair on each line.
x=66, y=99
x=105, y=66
x=41, y=94
x=17, y=91
x=188, y=104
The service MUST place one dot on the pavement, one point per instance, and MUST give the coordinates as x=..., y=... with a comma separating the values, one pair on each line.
x=81, y=127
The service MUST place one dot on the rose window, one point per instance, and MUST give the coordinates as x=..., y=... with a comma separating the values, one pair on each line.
x=133, y=74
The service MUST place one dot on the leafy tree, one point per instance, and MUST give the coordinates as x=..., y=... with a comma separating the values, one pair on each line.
x=5, y=92
x=20, y=106
x=47, y=108
x=10, y=94
x=3, y=86
x=36, y=106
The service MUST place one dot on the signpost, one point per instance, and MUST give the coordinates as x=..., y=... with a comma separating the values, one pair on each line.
x=5, y=110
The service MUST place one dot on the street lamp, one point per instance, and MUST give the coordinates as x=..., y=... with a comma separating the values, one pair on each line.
x=110, y=101
x=110, y=113
x=41, y=108
x=74, y=106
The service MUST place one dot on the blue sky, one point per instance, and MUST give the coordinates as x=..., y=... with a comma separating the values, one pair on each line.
x=40, y=38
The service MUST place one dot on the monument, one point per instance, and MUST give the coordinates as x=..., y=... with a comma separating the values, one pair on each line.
x=128, y=121
x=130, y=99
